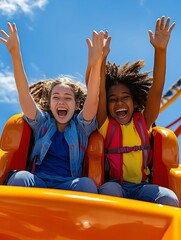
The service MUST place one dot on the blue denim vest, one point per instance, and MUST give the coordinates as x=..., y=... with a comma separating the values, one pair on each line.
x=76, y=135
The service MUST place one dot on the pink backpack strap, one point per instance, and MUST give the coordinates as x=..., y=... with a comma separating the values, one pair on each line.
x=113, y=141
x=141, y=128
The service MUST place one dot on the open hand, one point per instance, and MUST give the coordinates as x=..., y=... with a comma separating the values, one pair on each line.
x=162, y=33
x=104, y=48
x=11, y=41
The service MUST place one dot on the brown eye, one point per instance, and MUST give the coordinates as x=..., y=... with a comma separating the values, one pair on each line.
x=55, y=98
x=68, y=99
x=113, y=100
x=126, y=97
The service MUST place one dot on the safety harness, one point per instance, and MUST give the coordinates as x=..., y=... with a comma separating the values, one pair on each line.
x=114, y=148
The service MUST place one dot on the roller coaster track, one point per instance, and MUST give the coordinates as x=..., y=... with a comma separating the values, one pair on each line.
x=167, y=99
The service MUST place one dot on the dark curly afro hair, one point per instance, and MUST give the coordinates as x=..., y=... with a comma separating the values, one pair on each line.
x=129, y=75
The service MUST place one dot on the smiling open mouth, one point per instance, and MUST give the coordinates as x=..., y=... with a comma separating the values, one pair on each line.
x=121, y=113
x=62, y=112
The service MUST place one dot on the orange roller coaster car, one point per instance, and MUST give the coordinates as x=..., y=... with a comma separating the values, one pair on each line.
x=33, y=213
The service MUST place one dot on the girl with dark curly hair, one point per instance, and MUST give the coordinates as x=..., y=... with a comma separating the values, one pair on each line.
x=129, y=105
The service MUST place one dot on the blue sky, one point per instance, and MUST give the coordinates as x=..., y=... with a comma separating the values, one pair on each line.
x=53, y=33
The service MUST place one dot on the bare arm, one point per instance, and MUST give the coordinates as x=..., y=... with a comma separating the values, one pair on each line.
x=12, y=43
x=92, y=99
x=159, y=40
x=102, y=108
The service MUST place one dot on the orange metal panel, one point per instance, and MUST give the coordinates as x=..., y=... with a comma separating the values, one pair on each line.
x=30, y=213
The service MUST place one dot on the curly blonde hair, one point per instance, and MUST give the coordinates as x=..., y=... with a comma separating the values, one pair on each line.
x=41, y=92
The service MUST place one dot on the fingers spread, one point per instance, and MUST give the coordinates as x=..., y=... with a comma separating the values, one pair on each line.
x=5, y=35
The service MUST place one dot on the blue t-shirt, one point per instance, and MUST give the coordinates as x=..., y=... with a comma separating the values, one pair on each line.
x=76, y=135
x=57, y=159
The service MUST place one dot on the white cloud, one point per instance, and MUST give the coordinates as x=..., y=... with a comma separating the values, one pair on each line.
x=8, y=92
x=11, y=7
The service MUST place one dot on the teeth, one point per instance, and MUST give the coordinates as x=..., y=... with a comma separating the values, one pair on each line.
x=121, y=110
x=61, y=109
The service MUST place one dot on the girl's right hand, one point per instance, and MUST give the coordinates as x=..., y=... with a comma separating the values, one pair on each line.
x=12, y=40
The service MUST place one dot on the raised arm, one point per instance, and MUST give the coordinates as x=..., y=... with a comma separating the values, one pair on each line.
x=159, y=40
x=12, y=43
x=92, y=99
x=102, y=109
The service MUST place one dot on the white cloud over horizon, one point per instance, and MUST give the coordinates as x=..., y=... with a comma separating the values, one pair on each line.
x=8, y=92
x=11, y=7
